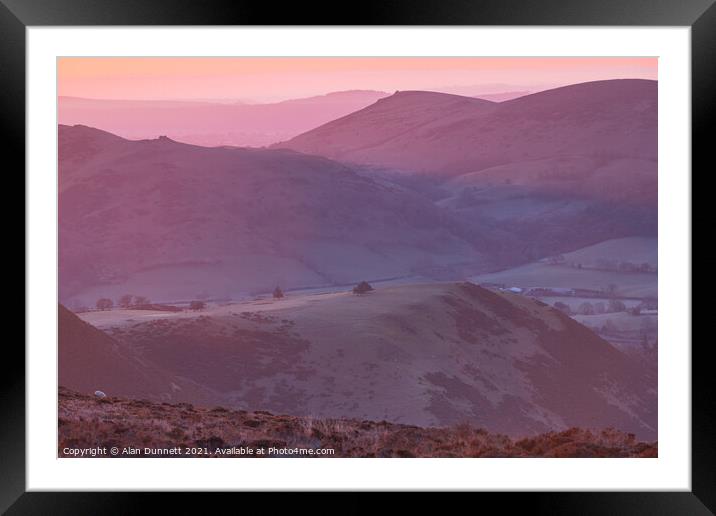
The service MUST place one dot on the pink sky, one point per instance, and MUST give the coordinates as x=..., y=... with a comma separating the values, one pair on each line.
x=264, y=79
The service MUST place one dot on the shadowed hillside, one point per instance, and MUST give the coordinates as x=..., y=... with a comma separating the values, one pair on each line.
x=90, y=360
x=170, y=221
x=549, y=172
x=599, y=122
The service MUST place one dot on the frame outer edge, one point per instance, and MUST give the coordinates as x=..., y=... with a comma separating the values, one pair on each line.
x=371, y=12
x=12, y=102
x=703, y=113
x=12, y=362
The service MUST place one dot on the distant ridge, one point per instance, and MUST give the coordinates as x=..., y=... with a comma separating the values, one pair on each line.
x=213, y=123
x=453, y=135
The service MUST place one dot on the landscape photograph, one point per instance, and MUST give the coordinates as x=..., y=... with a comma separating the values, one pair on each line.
x=357, y=257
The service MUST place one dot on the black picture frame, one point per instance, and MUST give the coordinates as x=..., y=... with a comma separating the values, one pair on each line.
x=17, y=15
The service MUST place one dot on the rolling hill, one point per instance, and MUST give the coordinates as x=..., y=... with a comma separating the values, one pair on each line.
x=90, y=360
x=174, y=221
x=427, y=354
x=601, y=128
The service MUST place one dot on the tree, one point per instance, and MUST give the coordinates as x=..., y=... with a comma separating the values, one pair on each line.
x=563, y=307
x=141, y=300
x=586, y=309
x=362, y=288
x=616, y=306
x=104, y=303
x=197, y=305
x=277, y=293
x=125, y=301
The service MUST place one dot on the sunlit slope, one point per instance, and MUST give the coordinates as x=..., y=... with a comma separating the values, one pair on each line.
x=431, y=354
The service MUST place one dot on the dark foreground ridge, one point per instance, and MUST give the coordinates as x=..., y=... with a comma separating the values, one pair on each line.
x=153, y=429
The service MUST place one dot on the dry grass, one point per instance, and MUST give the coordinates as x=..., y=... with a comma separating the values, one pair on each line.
x=85, y=421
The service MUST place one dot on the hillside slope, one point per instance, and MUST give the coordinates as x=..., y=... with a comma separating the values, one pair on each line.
x=597, y=125
x=173, y=221
x=429, y=355
x=90, y=360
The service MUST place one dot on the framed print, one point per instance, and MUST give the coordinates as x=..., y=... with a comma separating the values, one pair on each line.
x=415, y=250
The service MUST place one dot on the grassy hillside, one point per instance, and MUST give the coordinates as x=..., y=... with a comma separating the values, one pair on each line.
x=86, y=422
x=425, y=354
x=90, y=360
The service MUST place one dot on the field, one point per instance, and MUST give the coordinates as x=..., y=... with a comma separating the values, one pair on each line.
x=629, y=284
x=632, y=249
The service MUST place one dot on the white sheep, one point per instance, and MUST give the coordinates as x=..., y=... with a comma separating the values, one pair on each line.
x=100, y=394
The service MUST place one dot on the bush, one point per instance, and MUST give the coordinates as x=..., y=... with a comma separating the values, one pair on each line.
x=104, y=304
x=125, y=301
x=141, y=300
x=362, y=288
x=197, y=305
x=277, y=293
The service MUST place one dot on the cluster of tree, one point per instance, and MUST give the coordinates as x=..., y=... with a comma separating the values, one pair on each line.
x=125, y=301
x=647, y=304
x=605, y=265
x=587, y=308
x=623, y=266
x=104, y=303
x=128, y=301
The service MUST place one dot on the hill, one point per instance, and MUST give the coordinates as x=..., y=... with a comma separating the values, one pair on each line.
x=390, y=131
x=90, y=360
x=173, y=221
x=604, y=128
x=225, y=433
x=429, y=355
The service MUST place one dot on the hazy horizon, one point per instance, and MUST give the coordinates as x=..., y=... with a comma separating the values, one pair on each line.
x=271, y=79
